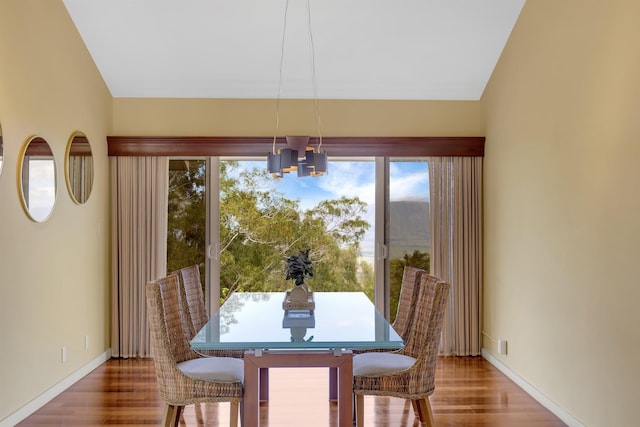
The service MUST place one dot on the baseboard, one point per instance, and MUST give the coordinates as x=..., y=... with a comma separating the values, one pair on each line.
x=540, y=397
x=53, y=391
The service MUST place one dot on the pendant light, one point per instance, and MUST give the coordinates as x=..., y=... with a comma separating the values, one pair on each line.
x=299, y=155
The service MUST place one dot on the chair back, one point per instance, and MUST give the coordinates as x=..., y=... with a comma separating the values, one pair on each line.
x=421, y=326
x=436, y=294
x=408, y=293
x=192, y=299
x=168, y=343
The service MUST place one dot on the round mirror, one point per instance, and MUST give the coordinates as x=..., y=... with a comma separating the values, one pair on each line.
x=79, y=168
x=38, y=179
x=1, y=149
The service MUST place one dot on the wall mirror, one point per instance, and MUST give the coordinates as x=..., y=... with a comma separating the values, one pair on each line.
x=79, y=167
x=1, y=149
x=37, y=179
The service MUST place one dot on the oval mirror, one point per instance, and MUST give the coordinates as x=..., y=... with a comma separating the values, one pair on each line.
x=79, y=168
x=38, y=179
x=1, y=150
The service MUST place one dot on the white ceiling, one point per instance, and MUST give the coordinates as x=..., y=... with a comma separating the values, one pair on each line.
x=364, y=49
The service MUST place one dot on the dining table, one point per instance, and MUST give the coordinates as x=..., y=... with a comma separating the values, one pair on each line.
x=275, y=337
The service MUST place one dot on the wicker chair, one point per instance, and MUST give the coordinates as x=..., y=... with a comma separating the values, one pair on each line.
x=183, y=377
x=410, y=374
x=406, y=301
x=406, y=304
x=194, y=309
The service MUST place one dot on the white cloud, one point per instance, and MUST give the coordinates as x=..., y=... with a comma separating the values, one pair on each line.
x=350, y=179
x=409, y=187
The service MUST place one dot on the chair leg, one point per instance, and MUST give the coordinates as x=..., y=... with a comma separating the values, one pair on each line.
x=233, y=417
x=425, y=414
x=171, y=416
x=414, y=404
x=359, y=410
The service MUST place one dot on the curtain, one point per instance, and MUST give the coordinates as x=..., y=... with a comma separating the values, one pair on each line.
x=139, y=192
x=456, y=248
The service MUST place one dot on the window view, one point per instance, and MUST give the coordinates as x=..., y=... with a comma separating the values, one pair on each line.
x=186, y=234
x=408, y=217
x=263, y=220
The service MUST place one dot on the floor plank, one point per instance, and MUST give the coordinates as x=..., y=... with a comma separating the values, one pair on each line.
x=469, y=392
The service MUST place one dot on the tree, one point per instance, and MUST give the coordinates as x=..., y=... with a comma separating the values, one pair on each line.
x=260, y=228
x=186, y=215
x=396, y=266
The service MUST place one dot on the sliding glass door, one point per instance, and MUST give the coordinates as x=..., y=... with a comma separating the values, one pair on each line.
x=264, y=220
x=361, y=222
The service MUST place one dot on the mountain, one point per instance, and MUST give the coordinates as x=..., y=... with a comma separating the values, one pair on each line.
x=408, y=227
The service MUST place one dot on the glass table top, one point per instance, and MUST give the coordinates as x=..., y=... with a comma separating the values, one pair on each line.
x=256, y=320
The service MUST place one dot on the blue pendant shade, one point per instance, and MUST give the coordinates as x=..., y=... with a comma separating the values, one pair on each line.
x=281, y=162
x=319, y=161
x=273, y=163
x=286, y=160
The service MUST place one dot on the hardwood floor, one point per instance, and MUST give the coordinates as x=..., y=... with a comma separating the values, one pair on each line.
x=469, y=392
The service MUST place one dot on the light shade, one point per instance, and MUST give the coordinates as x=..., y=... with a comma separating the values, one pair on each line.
x=286, y=160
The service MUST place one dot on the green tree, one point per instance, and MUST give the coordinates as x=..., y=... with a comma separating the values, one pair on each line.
x=396, y=266
x=186, y=215
x=260, y=227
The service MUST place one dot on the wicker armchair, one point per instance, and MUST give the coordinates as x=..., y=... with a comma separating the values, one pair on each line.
x=194, y=309
x=410, y=374
x=183, y=377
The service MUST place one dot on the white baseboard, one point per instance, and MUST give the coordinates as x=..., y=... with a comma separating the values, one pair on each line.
x=56, y=389
x=540, y=397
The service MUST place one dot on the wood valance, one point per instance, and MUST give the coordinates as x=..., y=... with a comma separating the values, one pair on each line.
x=261, y=146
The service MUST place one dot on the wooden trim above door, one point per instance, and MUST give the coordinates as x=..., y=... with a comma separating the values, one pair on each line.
x=260, y=146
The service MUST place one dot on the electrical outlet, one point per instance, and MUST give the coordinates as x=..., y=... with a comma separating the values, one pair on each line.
x=86, y=342
x=502, y=346
x=63, y=354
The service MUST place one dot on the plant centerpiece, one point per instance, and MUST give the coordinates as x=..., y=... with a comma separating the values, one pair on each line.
x=299, y=267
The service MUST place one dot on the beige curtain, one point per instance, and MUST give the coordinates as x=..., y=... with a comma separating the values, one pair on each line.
x=456, y=248
x=139, y=192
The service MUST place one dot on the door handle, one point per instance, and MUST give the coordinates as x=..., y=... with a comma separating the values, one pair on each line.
x=213, y=251
x=382, y=251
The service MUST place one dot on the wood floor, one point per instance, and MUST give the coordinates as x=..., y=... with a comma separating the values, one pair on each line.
x=469, y=392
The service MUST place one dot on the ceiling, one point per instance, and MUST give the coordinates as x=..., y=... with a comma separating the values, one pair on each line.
x=364, y=49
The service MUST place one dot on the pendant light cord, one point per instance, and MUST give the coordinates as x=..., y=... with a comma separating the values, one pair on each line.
x=284, y=31
x=313, y=75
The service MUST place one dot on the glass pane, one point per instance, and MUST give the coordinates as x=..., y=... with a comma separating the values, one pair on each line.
x=264, y=220
x=255, y=320
x=187, y=215
x=409, y=231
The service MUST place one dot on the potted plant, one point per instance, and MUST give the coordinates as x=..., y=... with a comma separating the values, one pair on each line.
x=299, y=267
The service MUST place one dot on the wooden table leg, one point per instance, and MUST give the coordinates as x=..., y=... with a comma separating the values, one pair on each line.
x=333, y=384
x=345, y=391
x=251, y=405
x=264, y=384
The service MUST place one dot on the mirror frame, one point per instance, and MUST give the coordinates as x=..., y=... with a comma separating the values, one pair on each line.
x=81, y=148
x=21, y=159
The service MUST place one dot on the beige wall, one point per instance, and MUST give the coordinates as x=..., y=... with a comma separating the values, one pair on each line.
x=254, y=117
x=562, y=203
x=53, y=275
